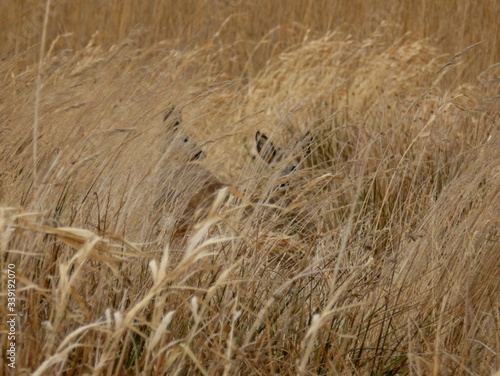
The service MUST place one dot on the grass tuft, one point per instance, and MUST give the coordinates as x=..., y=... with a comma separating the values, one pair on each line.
x=150, y=237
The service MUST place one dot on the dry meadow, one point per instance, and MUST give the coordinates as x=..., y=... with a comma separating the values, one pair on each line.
x=150, y=233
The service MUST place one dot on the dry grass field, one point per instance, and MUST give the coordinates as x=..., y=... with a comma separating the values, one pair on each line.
x=153, y=230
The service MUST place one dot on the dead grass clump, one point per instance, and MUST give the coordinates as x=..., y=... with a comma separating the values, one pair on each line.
x=251, y=32
x=375, y=254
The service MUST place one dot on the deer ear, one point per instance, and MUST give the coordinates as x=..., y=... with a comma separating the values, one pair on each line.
x=177, y=120
x=168, y=113
x=265, y=148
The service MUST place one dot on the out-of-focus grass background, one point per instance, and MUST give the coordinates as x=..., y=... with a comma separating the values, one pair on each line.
x=255, y=30
x=377, y=255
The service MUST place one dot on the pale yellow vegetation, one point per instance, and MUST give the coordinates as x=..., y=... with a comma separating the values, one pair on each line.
x=376, y=254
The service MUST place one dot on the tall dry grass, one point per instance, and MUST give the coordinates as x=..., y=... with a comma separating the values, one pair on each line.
x=379, y=255
x=255, y=30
